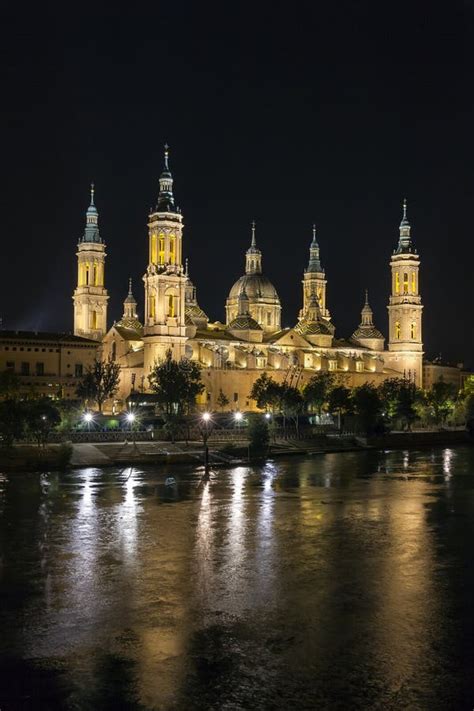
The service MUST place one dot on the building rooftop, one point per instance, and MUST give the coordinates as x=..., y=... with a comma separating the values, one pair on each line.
x=46, y=336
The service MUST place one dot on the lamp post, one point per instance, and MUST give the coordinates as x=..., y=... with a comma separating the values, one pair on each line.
x=206, y=428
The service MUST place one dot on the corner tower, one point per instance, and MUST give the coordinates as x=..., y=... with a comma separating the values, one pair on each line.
x=90, y=296
x=165, y=281
x=314, y=280
x=405, y=309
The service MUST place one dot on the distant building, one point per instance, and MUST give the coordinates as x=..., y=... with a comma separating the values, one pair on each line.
x=46, y=363
x=436, y=370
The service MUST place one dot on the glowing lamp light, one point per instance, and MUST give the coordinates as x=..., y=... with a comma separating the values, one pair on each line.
x=238, y=416
x=130, y=417
x=267, y=416
x=88, y=417
x=206, y=416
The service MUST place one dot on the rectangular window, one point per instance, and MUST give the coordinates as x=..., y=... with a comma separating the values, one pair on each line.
x=25, y=369
x=397, y=283
x=39, y=368
x=10, y=365
x=413, y=283
x=78, y=370
x=236, y=397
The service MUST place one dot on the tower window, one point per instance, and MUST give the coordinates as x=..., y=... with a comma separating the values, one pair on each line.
x=413, y=283
x=413, y=330
x=397, y=330
x=86, y=275
x=151, y=307
x=93, y=320
x=172, y=249
x=161, y=249
x=171, y=306
x=405, y=283
x=397, y=283
x=153, y=249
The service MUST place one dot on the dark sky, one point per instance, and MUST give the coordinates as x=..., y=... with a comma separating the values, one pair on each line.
x=286, y=113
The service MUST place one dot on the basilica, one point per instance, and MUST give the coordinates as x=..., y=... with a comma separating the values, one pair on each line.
x=252, y=341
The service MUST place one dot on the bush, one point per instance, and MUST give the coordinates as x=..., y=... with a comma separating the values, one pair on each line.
x=64, y=454
x=258, y=433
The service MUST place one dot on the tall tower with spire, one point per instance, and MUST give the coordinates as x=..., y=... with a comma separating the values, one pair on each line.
x=405, y=309
x=314, y=280
x=165, y=280
x=90, y=296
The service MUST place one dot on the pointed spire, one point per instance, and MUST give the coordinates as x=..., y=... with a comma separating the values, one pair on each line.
x=314, y=264
x=404, y=242
x=254, y=241
x=186, y=268
x=91, y=232
x=253, y=256
x=165, y=201
x=366, y=313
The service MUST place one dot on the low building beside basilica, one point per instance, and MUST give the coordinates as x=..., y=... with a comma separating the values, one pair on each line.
x=234, y=354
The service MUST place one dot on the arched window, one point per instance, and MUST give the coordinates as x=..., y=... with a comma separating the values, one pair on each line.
x=95, y=279
x=161, y=248
x=397, y=330
x=151, y=306
x=171, y=306
x=413, y=330
x=172, y=248
x=397, y=283
x=86, y=274
x=413, y=283
x=153, y=249
x=405, y=283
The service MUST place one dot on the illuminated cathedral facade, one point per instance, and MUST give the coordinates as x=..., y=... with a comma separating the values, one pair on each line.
x=233, y=355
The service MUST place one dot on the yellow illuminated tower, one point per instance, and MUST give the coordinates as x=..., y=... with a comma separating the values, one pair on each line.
x=405, y=309
x=90, y=296
x=314, y=280
x=165, y=280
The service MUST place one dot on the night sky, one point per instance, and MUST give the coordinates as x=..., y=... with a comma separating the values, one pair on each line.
x=286, y=113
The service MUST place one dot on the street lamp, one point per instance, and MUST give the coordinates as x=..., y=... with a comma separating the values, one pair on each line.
x=206, y=429
x=238, y=416
x=88, y=417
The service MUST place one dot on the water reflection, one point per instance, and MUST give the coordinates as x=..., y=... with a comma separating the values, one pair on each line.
x=341, y=581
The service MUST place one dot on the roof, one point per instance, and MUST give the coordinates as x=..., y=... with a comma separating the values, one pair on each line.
x=312, y=328
x=366, y=332
x=244, y=323
x=129, y=334
x=46, y=336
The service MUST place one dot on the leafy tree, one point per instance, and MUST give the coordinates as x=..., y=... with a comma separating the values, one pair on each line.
x=42, y=417
x=100, y=382
x=389, y=392
x=368, y=406
x=441, y=399
x=340, y=401
x=316, y=393
x=406, y=410
x=291, y=403
x=9, y=384
x=264, y=392
x=222, y=399
x=469, y=411
x=177, y=384
x=258, y=433
x=468, y=388
x=12, y=421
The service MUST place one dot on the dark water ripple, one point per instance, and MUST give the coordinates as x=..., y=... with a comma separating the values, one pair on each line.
x=342, y=581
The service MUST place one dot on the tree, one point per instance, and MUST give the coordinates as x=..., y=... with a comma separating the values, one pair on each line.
x=12, y=421
x=291, y=403
x=42, y=417
x=316, y=392
x=100, y=382
x=407, y=398
x=340, y=401
x=266, y=392
x=9, y=385
x=470, y=414
x=389, y=392
x=258, y=433
x=441, y=399
x=222, y=399
x=177, y=384
x=368, y=406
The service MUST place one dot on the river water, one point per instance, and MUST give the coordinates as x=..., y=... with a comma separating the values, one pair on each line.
x=341, y=581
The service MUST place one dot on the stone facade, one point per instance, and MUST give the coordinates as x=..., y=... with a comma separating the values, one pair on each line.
x=234, y=354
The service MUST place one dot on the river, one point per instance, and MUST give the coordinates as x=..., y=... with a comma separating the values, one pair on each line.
x=339, y=581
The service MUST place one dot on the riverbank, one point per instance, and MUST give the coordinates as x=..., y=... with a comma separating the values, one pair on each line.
x=221, y=454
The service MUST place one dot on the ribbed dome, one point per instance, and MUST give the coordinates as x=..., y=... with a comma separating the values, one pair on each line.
x=313, y=328
x=244, y=323
x=257, y=286
x=366, y=332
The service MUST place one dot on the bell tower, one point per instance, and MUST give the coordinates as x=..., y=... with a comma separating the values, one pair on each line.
x=90, y=296
x=164, y=280
x=314, y=280
x=405, y=308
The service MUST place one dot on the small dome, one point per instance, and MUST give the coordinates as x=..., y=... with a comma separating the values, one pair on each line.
x=133, y=324
x=257, y=286
x=366, y=332
x=244, y=323
x=314, y=328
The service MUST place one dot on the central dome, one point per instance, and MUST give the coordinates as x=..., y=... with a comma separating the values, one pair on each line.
x=260, y=295
x=256, y=285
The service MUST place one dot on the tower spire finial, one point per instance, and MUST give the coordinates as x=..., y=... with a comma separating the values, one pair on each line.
x=167, y=148
x=92, y=192
x=366, y=297
x=130, y=286
x=186, y=268
x=254, y=242
x=314, y=232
